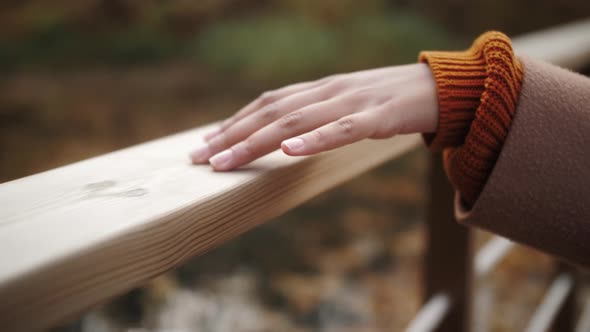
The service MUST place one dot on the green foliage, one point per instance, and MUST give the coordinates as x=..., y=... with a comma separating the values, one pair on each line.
x=57, y=44
x=294, y=47
x=269, y=47
x=272, y=46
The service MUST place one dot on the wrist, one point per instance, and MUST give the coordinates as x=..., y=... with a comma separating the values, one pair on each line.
x=430, y=103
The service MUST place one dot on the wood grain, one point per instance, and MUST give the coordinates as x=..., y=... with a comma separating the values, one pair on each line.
x=78, y=235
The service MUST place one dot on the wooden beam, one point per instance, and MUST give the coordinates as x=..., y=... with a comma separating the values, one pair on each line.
x=449, y=256
x=567, y=45
x=80, y=234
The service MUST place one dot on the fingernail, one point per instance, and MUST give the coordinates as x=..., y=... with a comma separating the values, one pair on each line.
x=294, y=144
x=200, y=154
x=222, y=159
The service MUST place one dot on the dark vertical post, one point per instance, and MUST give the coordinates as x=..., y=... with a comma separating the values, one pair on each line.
x=449, y=256
x=565, y=319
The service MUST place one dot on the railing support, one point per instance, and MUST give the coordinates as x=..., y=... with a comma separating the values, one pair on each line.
x=449, y=255
x=565, y=319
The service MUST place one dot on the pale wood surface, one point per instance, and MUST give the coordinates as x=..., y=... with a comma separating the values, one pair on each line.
x=80, y=234
x=83, y=233
x=567, y=45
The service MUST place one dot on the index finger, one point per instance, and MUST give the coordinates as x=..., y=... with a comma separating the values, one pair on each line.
x=263, y=100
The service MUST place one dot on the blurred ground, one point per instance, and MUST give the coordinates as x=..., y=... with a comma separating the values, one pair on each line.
x=82, y=78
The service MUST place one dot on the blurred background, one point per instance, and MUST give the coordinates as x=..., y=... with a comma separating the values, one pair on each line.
x=79, y=78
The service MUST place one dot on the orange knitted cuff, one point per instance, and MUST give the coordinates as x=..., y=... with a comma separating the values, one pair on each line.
x=477, y=90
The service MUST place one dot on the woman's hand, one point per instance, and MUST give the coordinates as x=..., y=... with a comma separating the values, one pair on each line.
x=307, y=118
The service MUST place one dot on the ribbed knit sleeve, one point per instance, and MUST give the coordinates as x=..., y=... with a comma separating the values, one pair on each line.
x=477, y=91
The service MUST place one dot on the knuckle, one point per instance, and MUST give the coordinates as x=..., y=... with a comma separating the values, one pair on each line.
x=330, y=78
x=335, y=77
x=290, y=120
x=363, y=93
x=227, y=123
x=346, y=126
x=394, y=123
x=366, y=97
x=385, y=130
x=267, y=97
x=392, y=103
x=337, y=84
x=246, y=148
x=317, y=136
x=219, y=142
x=269, y=112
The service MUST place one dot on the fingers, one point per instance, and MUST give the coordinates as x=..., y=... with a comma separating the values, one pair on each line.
x=347, y=130
x=322, y=115
x=263, y=100
x=270, y=137
x=255, y=121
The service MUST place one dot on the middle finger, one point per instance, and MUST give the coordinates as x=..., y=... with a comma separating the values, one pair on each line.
x=255, y=121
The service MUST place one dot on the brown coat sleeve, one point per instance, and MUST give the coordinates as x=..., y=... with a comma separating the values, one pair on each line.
x=539, y=190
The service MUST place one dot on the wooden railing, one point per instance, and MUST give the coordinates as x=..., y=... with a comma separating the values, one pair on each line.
x=78, y=235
